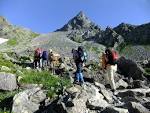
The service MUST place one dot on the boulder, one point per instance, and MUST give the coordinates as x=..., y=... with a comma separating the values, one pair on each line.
x=134, y=107
x=121, y=84
x=107, y=95
x=115, y=110
x=8, y=81
x=86, y=98
x=129, y=68
x=95, y=103
x=28, y=101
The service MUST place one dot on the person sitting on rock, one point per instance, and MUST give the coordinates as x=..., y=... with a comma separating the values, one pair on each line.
x=111, y=66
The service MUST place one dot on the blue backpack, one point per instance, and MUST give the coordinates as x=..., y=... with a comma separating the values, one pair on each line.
x=45, y=55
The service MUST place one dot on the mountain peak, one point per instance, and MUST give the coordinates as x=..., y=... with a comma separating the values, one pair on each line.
x=81, y=14
x=80, y=21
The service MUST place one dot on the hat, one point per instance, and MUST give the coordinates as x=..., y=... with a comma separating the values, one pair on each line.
x=50, y=50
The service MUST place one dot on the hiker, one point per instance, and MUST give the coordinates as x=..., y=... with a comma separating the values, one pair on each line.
x=80, y=57
x=44, y=59
x=111, y=57
x=37, y=58
x=53, y=60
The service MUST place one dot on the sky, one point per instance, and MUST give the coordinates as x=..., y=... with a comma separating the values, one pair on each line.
x=45, y=16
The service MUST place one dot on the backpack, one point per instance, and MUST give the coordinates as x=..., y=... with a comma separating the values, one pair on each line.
x=75, y=55
x=83, y=56
x=45, y=55
x=115, y=56
x=38, y=53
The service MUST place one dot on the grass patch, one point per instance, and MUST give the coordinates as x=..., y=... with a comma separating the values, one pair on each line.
x=4, y=62
x=12, y=42
x=147, y=70
x=50, y=82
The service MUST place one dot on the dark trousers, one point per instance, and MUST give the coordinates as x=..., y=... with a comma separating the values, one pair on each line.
x=79, y=75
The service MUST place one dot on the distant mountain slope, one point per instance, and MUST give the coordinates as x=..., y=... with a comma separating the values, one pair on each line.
x=19, y=37
x=58, y=42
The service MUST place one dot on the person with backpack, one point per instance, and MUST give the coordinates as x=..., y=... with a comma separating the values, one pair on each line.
x=37, y=58
x=81, y=58
x=111, y=57
x=44, y=59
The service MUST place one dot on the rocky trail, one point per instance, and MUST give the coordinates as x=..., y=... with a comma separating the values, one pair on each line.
x=94, y=96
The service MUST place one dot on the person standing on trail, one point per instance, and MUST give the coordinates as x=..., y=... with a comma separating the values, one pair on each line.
x=38, y=58
x=80, y=57
x=111, y=57
x=44, y=59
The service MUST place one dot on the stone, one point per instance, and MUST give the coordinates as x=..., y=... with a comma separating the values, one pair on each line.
x=115, y=110
x=129, y=68
x=94, y=103
x=107, y=95
x=28, y=101
x=121, y=84
x=134, y=107
x=8, y=81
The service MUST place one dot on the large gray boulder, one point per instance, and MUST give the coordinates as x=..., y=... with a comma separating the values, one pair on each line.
x=95, y=103
x=129, y=68
x=83, y=99
x=7, y=81
x=28, y=101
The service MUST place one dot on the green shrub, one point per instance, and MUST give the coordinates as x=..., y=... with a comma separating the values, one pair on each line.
x=52, y=83
x=4, y=62
x=12, y=42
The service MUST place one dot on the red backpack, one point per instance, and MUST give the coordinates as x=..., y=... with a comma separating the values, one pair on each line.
x=115, y=55
x=38, y=52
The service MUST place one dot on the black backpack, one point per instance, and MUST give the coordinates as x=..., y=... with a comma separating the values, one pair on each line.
x=45, y=55
x=82, y=54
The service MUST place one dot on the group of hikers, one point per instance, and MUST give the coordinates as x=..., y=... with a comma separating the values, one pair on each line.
x=44, y=59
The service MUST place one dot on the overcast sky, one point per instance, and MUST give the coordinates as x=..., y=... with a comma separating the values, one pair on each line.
x=45, y=16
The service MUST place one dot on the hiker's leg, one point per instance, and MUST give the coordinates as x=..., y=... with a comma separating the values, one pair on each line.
x=81, y=77
x=107, y=75
x=77, y=77
x=112, y=81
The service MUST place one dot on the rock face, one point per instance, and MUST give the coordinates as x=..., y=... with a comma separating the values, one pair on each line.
x=110, y=38
x=28, y=101
x=80, y=28
x=134, y=34
x=7, y=81
x=128, y=68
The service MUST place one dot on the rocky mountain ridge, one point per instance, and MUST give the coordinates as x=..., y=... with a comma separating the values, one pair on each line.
x=81, y=30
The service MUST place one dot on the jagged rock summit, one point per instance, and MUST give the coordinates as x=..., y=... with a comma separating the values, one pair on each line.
x=79, y=22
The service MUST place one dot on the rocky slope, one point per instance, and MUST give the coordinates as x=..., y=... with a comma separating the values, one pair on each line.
x=18, y=37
